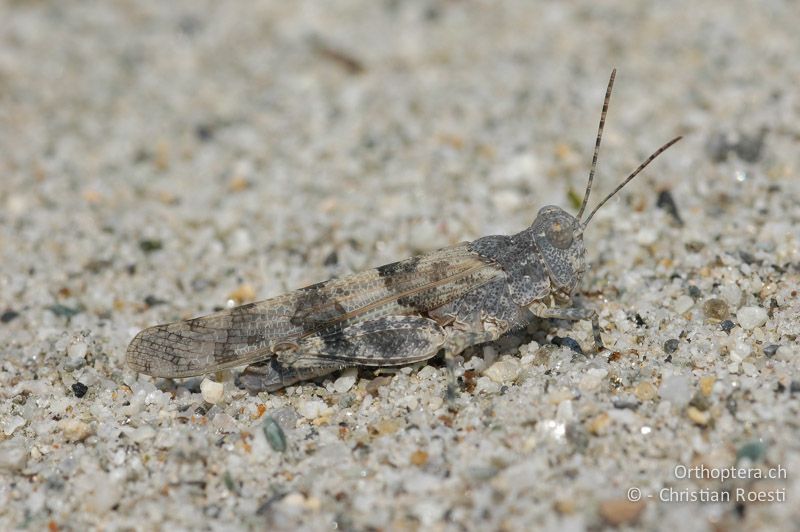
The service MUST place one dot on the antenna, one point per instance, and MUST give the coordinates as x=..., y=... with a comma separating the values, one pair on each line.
x=642, y=166
x=597, y=142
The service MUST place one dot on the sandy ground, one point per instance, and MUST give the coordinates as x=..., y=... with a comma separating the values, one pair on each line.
x=159, y=160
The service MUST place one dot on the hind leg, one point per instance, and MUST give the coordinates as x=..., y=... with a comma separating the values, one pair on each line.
x=384, y=341
x=271, y=375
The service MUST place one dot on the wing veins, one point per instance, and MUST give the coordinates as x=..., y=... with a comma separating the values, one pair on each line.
x=394, y=297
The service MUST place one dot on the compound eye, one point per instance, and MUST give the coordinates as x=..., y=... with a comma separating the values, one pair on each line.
x=559, y=235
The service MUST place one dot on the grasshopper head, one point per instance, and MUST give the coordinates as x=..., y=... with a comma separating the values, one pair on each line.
x=559, y=238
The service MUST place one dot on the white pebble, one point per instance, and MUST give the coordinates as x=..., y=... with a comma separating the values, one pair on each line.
x=36, y=501
x=12, y=423
x=77, y=350
x=409, y=401
x=518, y=169
x=474, y=363
x=485, y=385
x=74, y=429
x=647, y=236
x=592, y=380
x=211, y=390
x=345, y=381
x=565, y=412
x=312, y=409
x=731, y=294
x=507, y=200
x=740, y=351
x=429, y=511
x=429, y=372
x=104, y=494
x=294, y=499
x=435, y=403
x=785, y=353
x=142, y=434
x=224, y=423
x=677, y=389
x=13, y=455
x=489, y=355
x=239, y=243
x=683, y=304
x=426, y=235
x=751, y=317
x=503, y=371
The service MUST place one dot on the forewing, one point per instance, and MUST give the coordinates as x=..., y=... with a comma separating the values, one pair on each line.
x=218, y=341
x=251, y=333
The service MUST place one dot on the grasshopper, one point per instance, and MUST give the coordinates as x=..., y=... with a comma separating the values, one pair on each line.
x=397, y=314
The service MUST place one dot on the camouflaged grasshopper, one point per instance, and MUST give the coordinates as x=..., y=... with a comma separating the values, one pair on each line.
x=397, y=314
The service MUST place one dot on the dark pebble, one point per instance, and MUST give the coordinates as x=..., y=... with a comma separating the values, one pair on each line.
x=190, y=24
x=732, y=405
x=97, y=265
x=8, y=315
x=567, y=342
x=150, y=245
x=227, y=478
x=753, y=451
x=771, y=349
x=671, y=345
x=332, y=259
x=749, y=147
x=204, y=132
x=152, y=301
x=578, y=436
x=694, y=292
x=717, y=146
x=727, y=326
x=200, y=284
x=700, y=402
x=266, y=507
x=622, y=404
x=667, y=202
x=274, y=434
x=79, y=389
x=747, y=257
x=212, y=511
x=64, y=311
x=694, y=246
x=55, y=483
x=794, y=387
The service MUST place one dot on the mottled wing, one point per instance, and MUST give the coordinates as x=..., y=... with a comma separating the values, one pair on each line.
x=254, y=332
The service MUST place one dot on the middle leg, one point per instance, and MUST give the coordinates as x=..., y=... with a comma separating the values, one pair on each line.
x=573, y=314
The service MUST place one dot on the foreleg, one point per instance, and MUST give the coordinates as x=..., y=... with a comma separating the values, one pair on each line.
x=574, y=314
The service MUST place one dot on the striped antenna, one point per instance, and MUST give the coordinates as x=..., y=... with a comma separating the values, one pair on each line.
x=642, y=166
x=597, y=142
